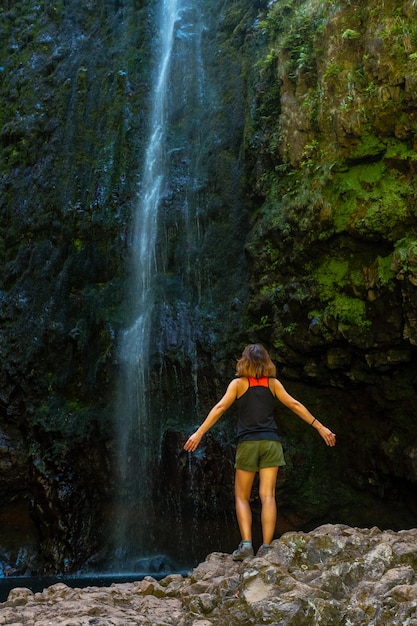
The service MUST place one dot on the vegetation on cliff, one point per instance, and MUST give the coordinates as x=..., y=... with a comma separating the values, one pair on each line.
x=331, y=163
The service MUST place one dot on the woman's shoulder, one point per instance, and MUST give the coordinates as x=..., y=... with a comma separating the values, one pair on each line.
x=241, y=384
x=273, y=384
x=236, y=383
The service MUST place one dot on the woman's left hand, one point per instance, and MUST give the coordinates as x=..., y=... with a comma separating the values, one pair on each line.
x=328, y=436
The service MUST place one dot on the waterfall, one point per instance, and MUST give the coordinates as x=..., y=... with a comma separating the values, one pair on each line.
x=186, y=280
x=139, y=432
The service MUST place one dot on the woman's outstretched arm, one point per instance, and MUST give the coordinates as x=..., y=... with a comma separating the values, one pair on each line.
x=300, y=410
x=213, y=417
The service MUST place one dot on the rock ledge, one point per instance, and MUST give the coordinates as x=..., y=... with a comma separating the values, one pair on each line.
x=333, y=575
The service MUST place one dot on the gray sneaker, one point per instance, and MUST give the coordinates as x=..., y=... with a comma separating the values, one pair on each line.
x=243, y=552
x=263, y=551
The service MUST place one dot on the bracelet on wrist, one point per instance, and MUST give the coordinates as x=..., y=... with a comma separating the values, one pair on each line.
x=314, y=420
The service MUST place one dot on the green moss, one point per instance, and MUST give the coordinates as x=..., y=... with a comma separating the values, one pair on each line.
x=333, y=69
x=400, y=35
x=384, y=270
x=348, y=310
x=399, y=150
x=373, y=199
x=353, y=186
x=406, y=248
x=332, y=274
x=78, y=244
x=369, y=146
x=349, y=33
x=336, y=277
x=293, y=29
x=383, y=216
x=405, y=258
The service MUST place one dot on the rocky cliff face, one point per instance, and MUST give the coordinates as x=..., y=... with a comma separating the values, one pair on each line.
x=73, y=122
x=310, y=188
x=331, y=160
x=67, y=120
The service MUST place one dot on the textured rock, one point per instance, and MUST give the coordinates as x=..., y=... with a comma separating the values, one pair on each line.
x=333, y=575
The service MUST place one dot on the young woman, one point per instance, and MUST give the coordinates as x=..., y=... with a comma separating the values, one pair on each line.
x=254, y=390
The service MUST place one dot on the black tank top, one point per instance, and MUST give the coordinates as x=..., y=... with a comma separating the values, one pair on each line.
x=256, y=412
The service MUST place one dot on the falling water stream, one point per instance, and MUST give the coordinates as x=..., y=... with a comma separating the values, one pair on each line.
x=178, y=68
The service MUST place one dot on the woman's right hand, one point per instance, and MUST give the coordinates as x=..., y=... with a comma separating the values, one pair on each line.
x=192, y=442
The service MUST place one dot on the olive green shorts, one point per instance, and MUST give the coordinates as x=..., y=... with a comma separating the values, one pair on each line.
x=252, y=456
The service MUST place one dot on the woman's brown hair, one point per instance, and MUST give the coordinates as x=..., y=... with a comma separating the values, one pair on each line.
x=256, y=362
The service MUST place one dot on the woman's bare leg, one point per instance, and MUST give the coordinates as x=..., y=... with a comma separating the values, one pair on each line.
x=267, y=483
x=243, y=487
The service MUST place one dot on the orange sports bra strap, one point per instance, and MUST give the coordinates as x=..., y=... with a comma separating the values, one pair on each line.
x=258, y=382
